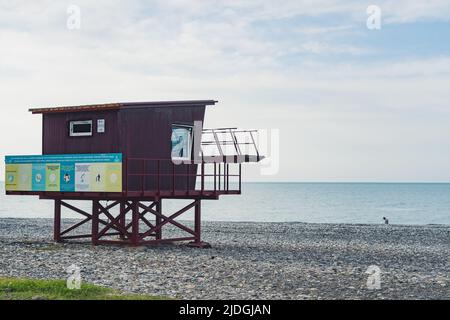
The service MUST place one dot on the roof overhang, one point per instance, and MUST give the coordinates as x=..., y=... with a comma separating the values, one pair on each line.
x=124, y=105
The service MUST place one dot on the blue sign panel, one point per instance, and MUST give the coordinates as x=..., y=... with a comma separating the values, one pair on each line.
x=65, y=173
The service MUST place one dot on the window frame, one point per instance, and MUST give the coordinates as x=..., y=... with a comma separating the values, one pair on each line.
x=72, y=123
x=190, y=141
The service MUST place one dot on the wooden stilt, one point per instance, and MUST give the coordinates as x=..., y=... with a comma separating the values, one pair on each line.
x=197, y=227
x=159, y=220
x=95, y=221
x=135, y=224
x=129, y=233
x=197, y=221
x=122, y=220
x=57, y=222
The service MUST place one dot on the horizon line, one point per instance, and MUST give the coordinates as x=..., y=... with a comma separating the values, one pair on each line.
x=341, y=182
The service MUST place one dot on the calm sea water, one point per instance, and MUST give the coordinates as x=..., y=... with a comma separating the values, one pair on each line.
x=302, y=202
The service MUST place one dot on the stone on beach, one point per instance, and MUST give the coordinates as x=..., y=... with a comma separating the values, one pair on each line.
x=247, y=261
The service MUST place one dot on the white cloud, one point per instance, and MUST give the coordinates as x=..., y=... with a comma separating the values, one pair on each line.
x=348, y=111
x=404, y=11
x=317, y=30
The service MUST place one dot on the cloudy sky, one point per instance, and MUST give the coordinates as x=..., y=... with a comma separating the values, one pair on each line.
x=351, y=104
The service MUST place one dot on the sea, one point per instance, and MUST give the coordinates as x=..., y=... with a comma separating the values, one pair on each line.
x=355, y=203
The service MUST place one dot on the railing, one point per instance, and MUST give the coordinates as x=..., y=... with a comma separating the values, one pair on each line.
x=221, y=138
x=162, y=176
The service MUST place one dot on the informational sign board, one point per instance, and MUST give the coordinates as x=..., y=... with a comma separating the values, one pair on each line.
x=64, y=173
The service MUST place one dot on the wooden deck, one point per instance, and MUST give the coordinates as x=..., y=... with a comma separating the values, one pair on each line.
x=154, y=179
x=145, y=195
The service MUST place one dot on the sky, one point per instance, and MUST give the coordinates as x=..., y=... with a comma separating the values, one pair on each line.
x=344, y=103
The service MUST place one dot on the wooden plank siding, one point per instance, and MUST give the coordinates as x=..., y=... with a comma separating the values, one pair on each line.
x=56, y=138
x=140, y=132
x=147, y=135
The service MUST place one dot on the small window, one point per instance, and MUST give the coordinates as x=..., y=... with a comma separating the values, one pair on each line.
x=181, y=142
x=81, y=128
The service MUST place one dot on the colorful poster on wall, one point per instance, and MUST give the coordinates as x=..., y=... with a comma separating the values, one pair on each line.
x=67, y=177
x=52, y=177
x=37, y=177
x=64, y=173
x=18, y=177
x=82, y=176
x=11, y=181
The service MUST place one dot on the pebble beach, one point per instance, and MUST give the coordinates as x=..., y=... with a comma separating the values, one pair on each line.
x=247, y=261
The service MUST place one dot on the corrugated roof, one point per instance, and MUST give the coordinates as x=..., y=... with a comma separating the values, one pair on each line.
x=124, y=105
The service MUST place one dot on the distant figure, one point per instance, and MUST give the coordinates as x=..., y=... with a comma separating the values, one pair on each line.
x=386, y=221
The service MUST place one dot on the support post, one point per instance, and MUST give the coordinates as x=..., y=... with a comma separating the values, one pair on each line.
x=117, y=225
x=158, y=219
x=122, y=219
x=95, y=222
x=135, y=224
x=57, y=222
x=198, y=224
x=198, y=243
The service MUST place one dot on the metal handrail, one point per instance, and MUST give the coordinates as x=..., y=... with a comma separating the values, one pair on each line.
x=231, y=132
x=218, y=176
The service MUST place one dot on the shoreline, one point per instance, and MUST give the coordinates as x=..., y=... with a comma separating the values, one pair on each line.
x=248, y=260
x=269, y=222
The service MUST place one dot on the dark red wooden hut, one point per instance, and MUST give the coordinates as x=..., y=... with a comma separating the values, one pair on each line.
x=132, y=155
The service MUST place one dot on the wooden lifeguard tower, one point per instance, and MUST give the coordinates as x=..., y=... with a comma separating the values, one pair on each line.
x=131, y=155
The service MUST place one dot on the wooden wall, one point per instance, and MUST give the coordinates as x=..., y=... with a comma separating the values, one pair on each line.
x=147, y=134
x=56, y=138
x=134, y=132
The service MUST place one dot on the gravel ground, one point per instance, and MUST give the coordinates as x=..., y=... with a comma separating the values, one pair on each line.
x=247, y=261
